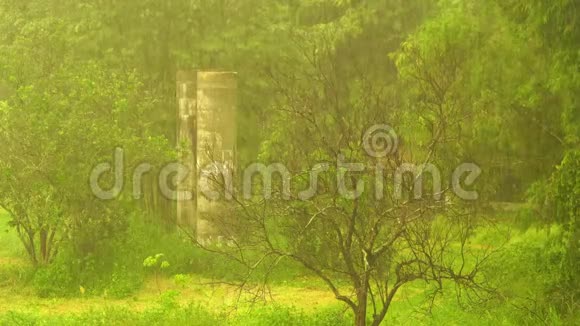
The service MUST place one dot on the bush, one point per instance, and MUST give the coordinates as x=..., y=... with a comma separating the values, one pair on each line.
x=526, y=270
x=113, y=267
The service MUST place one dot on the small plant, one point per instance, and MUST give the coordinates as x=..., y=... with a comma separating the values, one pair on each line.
x=157, y=264
x=181, y=280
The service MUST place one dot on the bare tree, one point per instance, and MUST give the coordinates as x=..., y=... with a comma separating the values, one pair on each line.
x=355, y=227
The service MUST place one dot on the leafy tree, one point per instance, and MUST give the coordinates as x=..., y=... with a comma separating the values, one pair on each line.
x=514, y=61
x=64, y=117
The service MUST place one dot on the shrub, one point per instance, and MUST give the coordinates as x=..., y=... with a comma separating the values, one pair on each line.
x=113, y=267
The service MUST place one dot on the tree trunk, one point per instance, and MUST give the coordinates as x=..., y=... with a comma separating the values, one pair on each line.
x=43, y=245
x=31, y=247
x=360, y=316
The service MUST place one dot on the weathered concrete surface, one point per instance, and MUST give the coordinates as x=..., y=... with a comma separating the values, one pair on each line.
x=216, y=138
x=207, y=132
x=186, y=138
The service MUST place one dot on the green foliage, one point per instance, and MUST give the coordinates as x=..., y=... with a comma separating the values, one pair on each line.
x=528, y=275
x=65, y=110
x=161, y=315
x=10, y=245
x=110, y=272
x=167, y=312
x=116, y=267
x=558, y=201
x=496, y=82
x=181, y=279
x=155, y=262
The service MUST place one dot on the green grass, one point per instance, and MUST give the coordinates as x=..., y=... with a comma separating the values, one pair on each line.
x=174, y=307
x=299, y=300
x=189, y=315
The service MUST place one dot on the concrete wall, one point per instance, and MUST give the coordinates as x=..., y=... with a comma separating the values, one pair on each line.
x=207, y=121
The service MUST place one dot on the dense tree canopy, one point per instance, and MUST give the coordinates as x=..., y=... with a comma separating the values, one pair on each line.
x=491, y=83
